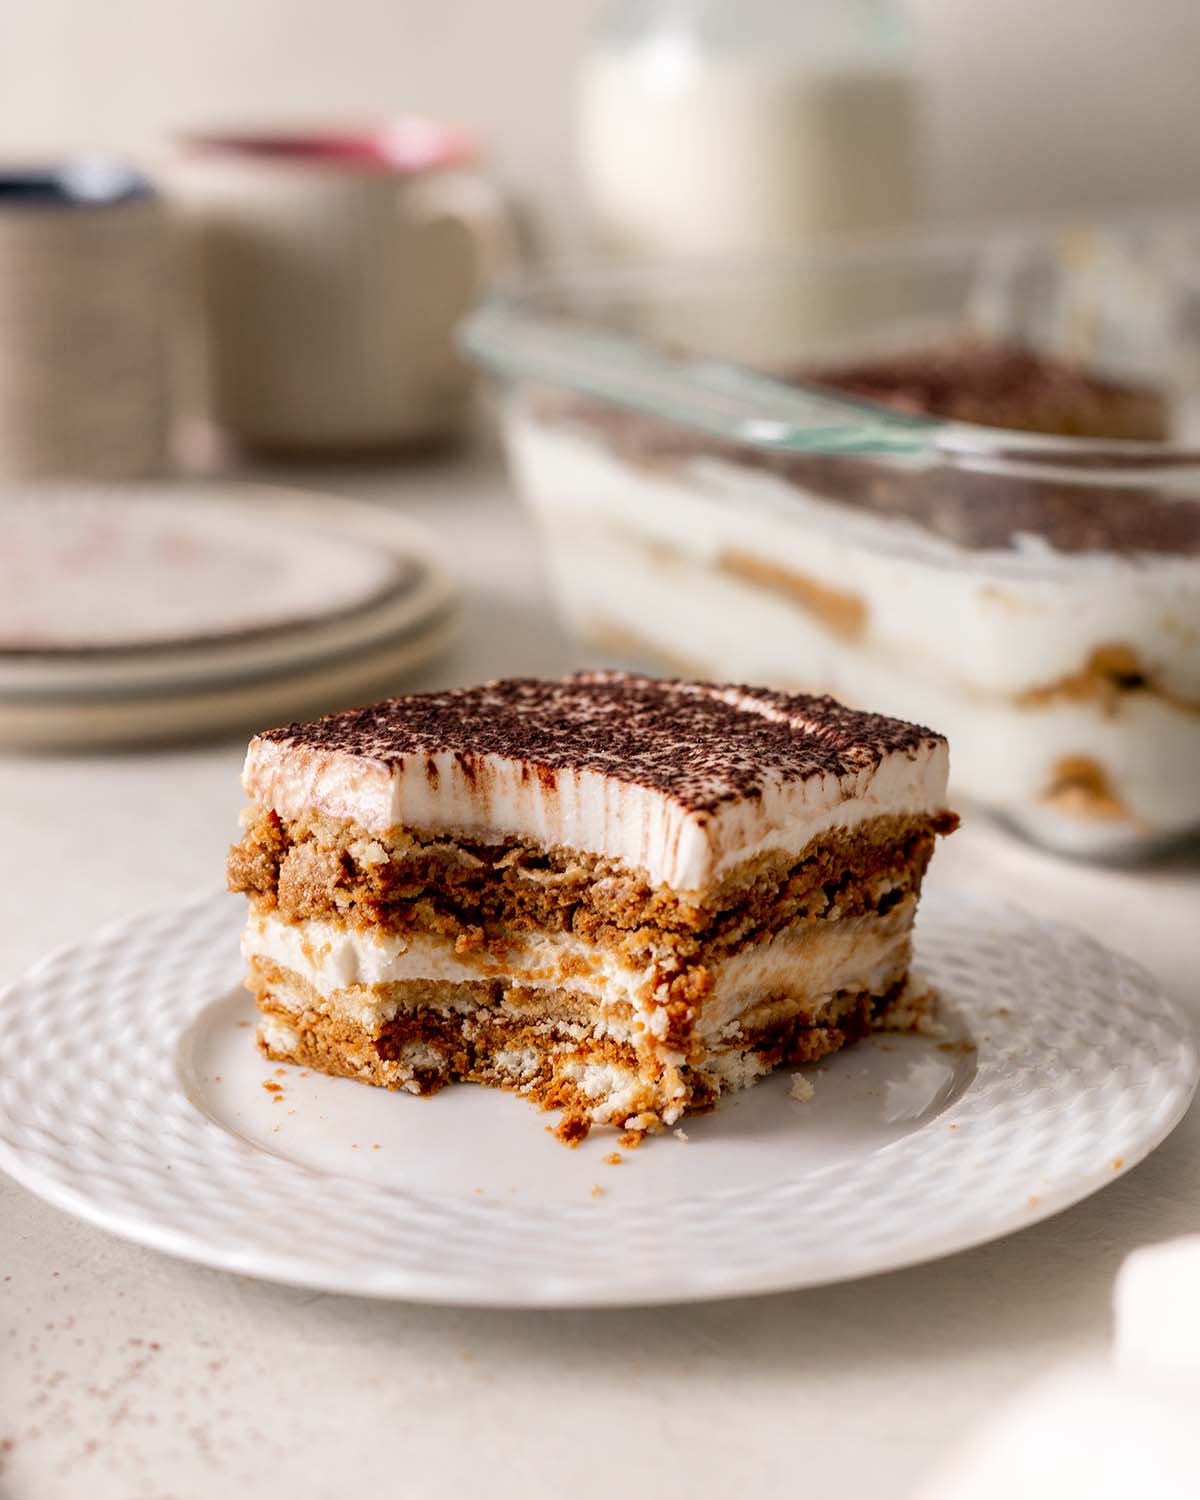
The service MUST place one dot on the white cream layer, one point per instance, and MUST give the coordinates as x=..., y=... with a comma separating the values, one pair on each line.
x=332, y=958
x=814, y=960
x=586, y=810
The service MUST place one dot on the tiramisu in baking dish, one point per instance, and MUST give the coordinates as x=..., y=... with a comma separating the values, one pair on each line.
x=1009, y=549
x=616, y=895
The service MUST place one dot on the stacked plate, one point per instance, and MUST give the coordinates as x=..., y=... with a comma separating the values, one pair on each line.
x=150, y=612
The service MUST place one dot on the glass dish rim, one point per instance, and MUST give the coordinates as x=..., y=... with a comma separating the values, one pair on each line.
x=497, y=334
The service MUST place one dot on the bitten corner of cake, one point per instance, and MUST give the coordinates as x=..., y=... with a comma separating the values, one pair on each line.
x=619, y=896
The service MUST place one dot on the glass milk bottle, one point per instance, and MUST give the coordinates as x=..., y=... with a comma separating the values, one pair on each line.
x=713, y=127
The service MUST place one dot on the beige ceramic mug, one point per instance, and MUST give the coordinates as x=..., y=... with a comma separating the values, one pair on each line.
x=329, y=272
x=84, y=317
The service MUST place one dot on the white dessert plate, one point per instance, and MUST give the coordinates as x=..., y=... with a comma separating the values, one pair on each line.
x=131, y=1094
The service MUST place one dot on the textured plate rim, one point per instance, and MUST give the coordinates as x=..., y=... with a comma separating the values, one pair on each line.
x=425, y=1285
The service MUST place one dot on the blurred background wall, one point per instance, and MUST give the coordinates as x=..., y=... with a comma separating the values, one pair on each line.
x=1032, y=104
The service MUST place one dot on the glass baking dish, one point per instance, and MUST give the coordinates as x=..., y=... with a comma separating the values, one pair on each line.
x=737, y=475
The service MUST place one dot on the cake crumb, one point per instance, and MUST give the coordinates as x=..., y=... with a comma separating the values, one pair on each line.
x=1118, y=1163
x=632, y=1139
x=272, y=1087
x=682, y=1135
x=597, y=1190
x=571, y=1129
x=613, y=1159
x=801, y=1090
x=1034, y=1200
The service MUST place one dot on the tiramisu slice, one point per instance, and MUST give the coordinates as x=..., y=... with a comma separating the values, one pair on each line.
x=616, y=895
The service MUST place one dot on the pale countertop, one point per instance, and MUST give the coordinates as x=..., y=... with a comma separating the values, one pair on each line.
x=125, y=1374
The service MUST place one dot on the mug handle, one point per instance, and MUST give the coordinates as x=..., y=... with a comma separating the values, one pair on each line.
x=473, y=203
